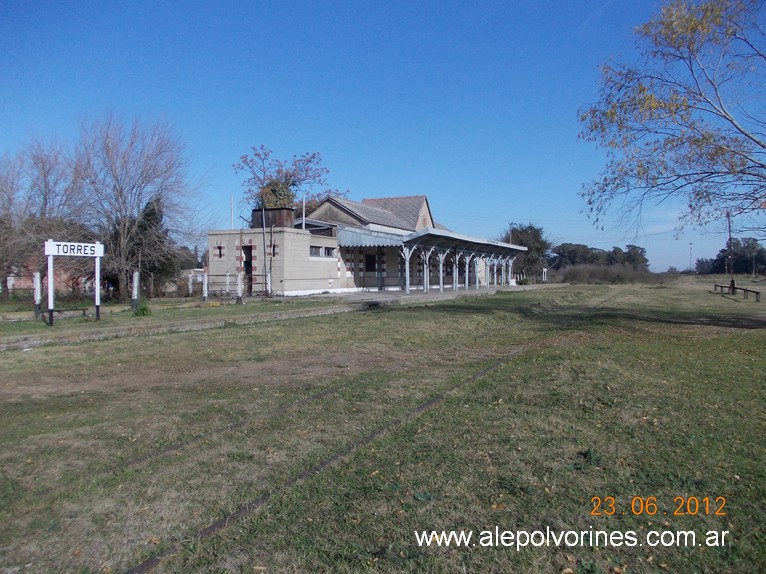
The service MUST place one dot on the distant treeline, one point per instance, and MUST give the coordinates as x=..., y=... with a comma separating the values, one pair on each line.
x=747, y=256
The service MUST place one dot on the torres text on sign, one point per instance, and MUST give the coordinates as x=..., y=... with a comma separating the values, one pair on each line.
x=74, y=249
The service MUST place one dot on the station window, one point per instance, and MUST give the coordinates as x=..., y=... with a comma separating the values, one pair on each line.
x=329, y=252
x=315, y=251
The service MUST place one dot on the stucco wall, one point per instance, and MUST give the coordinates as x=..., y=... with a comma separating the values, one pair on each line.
x=287, y=262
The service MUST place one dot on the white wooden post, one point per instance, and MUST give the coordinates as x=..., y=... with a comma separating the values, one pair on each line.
x=97, y=287
x=51, y=288
x=136, y=279
x=38, y=294
x=204, y=287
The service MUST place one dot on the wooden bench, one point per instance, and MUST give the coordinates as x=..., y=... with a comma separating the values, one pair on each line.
x=83, y=309
x=44, y=313
x=733, y=291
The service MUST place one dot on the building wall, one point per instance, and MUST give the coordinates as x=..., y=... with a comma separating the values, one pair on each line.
x=299, y=263
x=294, y=262
x=329, y=212
x=373, y=268
x=424, y=218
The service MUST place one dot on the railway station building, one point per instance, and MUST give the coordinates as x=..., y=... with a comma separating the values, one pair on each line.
x=376, y=244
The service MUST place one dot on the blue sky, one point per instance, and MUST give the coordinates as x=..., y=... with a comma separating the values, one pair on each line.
x=473, y=104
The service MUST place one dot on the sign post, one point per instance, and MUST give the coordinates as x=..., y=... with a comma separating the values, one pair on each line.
x=69, y=249
x=97, y=294
x=51, y=286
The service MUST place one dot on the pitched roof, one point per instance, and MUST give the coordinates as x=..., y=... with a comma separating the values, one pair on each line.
x=396, y=212
x=373, y=214
x=406, y=208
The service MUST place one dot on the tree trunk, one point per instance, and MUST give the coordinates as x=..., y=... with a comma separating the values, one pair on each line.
x=123, y=286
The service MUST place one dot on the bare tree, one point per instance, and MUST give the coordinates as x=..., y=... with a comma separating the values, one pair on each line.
x=10, y=192
x=686, y=123
x=40, y=200
x=273, y=182
x=53, y=191
x=124, y=170
x=53, y=205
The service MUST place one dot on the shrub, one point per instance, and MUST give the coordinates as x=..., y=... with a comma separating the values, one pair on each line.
x=142, y=310
x=604, y=274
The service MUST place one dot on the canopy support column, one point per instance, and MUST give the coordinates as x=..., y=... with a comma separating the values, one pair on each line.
x=426, y=256
x=441, y=256
x=502, y=272
x=455, y=270
x=406, y=254
x=467, y=269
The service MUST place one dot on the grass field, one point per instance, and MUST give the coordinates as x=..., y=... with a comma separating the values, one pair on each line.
x=324, y=444
x=19, y=318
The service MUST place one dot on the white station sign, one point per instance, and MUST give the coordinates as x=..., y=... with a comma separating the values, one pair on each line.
x=74, y=249
x=68, y=248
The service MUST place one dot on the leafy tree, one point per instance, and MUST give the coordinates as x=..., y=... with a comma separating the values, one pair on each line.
x=572, y=254
x=188, y=259
x=704, y=266
x=598, y=256
x=157, y=256
x=616, y=256
x=154, y=248
x=533, y=260
x=686, y=122
x=635, y=256
x=748, y=256
x=277, y=193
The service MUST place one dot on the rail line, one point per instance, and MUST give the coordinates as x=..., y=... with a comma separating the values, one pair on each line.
x=256, y=503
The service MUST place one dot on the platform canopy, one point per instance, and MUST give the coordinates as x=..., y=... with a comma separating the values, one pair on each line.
x=447, y=240
x=438, y=239
x=431, y=242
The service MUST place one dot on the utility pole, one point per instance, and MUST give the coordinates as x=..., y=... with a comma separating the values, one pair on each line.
x=263, y=236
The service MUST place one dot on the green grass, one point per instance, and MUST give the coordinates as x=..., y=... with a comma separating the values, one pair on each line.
x=538, y=401
x=20, y=321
